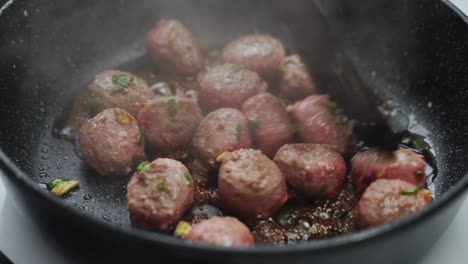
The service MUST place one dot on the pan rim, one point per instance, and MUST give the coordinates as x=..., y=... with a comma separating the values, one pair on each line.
x=11, y=170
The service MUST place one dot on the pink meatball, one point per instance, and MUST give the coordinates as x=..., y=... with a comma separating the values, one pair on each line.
x=373, y=164
x=386, y=200
x=120, y=89
x=169, y=123
x=159, y=193
x=251, y=185
x=269, y=122
x=296, y=82
x=318, y=123
x=173, y=48
x=313, y=169
x=263, y=54
x=110, y=141
x=228, y=85
x=225, y=129
x=221, y=231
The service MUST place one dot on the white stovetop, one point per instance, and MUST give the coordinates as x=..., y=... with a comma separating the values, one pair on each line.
x=22, y=242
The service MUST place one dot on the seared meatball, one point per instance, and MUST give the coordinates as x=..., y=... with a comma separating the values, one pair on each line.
x=387, y=200
x=159, y=193
x=222, y=231
x=318, y=123
x=173, y=48
x=374, y=164
x=262, y=54
x=296, y=82
x=225, y=129
x=251, y=185
x=313, y=169
x=113, y=88
x=169, y=123
x=109, y=142
x=269, y=122
x=228, y=85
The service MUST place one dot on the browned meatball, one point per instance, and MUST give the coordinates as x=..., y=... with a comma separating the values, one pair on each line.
x=313, y=169
x=269, y=121
x=113, y=88
x=228, y=85
x=173, y=48
x=296, y=82
x=225, y=129
x=251, y=185
x=221, y=231
x=387, y=200
x=373, y=164
x=109, y=142
x=169, y=123
x=318, y=123
x=263, y=54
x=159, y=193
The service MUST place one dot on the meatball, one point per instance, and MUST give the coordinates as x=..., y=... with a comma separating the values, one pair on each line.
x=113, y=88
x=169, y=123
x=172, y=47
x=269, y=122
x=159, y=193
x=225, y=129
x=374, y=164
x=251, y=185
x=386, y=200
x=313, y=169
x=109, y=141
x=262, y=54
x=296, y=82
x=318, y=123
x=222, y=231
x=228, y=85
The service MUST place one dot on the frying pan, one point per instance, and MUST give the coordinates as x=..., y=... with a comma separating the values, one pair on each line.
x=410, y=55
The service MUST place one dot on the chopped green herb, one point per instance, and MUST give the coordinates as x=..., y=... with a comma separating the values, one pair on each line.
x=418, y=143
x=419, y=173
x=94, y=104
x=284, y=217
x=141, y=138
x=55, y=182
x=188, y=178
x=243, y=67
x=324, y=189
x=143, y=166
x=253, y=121
x=121, y=81
x=172, y=107
x=333, y=106
x=161, y=185
x=238, y=131
x=410, y=191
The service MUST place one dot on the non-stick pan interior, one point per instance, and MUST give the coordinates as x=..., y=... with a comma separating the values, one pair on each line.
x=409, y=52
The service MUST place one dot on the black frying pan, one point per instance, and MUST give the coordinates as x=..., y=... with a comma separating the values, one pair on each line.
x=412, y=53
